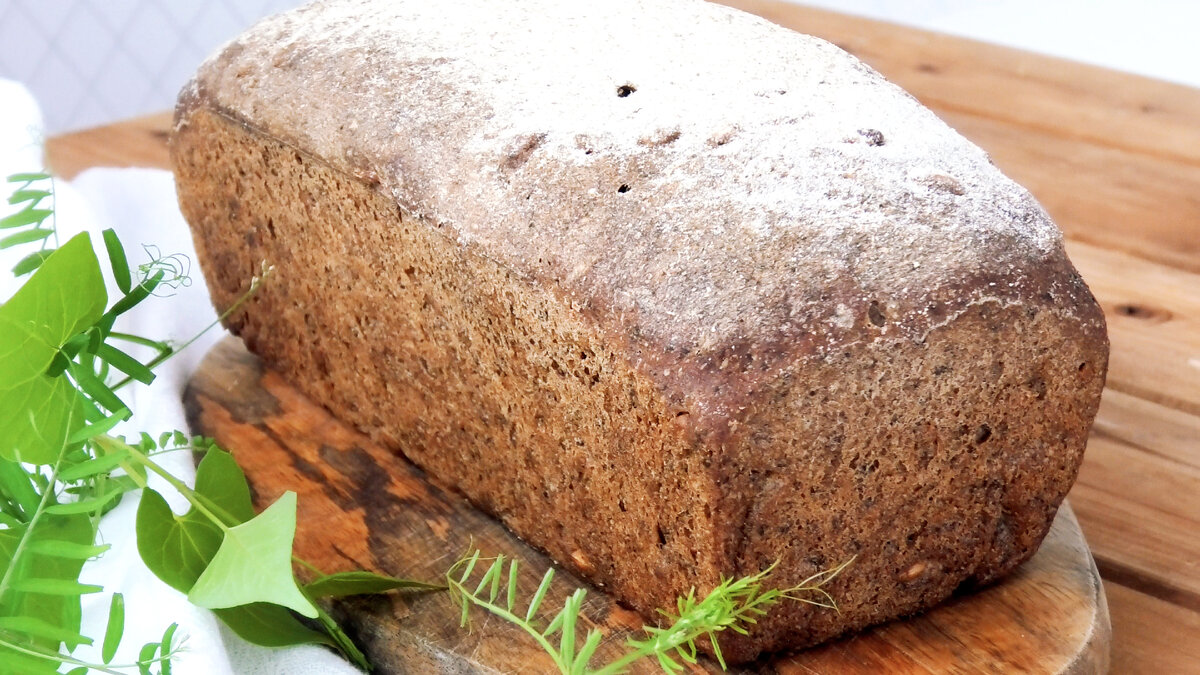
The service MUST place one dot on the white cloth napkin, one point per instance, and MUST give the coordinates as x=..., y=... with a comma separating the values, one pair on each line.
x=140, y=205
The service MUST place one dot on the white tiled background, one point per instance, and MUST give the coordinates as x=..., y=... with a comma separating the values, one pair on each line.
x=90, y=62
x=94, y=61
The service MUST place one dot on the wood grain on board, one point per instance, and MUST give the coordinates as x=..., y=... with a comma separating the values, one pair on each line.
x=361, y=506
x=1115, y=158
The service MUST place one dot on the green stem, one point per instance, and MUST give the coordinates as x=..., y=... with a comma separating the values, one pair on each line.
x=344, y=643
x=665, y=644
x=157, y=345
x=165, y=356
x=466, y=596
x=100, y=482
x=60, y=658
x=33, y=521
x=113, y=444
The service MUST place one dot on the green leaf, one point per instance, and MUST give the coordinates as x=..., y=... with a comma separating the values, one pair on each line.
x=146, y=657
x=65, y=549
x=125, y=363
x=115, y=628
x=28, y=177
x=86, y=505
x=31, y=262
x=95, y=466
x=254, y=564
x=134, y=297
x=70, y=348
x=164, y=649
x=175, y=548
x=222, y=485
x=91, y=431
x=116, y=258
x=27, y=195
x=42, y=586
x=37, y=628
x=25, y=217
x=591, y=642
x=37, y=417
x=178, y=548
x=360, y=583
x=64, y=296
x=92, y=385
x=15, y=486
x=25, y=237
x=270, y=625
x=47, y=620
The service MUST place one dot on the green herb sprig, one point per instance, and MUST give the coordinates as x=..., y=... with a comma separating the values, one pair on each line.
x=62, y=367
x=733, y=605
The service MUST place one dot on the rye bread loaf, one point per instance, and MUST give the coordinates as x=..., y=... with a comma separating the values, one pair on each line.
x=674, y=292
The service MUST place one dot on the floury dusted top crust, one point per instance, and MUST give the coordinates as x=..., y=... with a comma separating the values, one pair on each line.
x=687, y=188
x=781, y=245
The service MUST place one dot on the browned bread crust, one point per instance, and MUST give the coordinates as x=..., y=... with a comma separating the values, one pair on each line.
x=663, y=342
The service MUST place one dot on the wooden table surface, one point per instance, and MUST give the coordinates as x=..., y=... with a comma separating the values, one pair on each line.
x=1115, y=159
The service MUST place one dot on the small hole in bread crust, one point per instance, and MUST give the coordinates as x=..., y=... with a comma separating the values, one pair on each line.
x=983, y=433
x=623, y=189
x=876, y=315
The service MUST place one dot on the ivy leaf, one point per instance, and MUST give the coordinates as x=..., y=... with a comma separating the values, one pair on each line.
x=270, y=625
x=361, y=583
x=37, y=417
x=37, y=412
x=64, y=297
x=175, y=548
x=254, y=564
x=179, y=548
x=222, y=486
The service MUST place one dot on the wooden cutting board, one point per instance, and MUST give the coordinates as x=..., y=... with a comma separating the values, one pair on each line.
x=363, y=507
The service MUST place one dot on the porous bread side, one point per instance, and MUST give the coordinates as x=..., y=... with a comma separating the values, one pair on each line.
x=492, y=385
x=937, y=463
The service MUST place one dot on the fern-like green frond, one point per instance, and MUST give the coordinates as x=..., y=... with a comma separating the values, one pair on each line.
x=733, y=605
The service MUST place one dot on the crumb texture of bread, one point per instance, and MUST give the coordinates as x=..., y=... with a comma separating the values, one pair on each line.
x=670, y=307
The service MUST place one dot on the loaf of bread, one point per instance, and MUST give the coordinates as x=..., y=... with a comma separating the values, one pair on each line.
x=674, y=292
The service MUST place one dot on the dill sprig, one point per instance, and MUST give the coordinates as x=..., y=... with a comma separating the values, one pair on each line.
x=733, y=604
